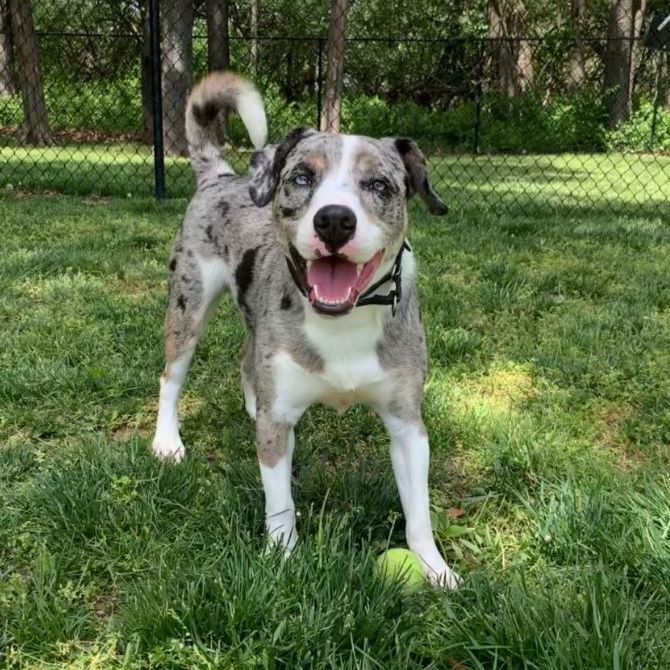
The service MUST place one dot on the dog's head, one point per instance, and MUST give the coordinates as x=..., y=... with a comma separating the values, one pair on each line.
x=339, y=206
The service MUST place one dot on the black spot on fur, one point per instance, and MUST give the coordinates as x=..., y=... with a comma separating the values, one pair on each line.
x=225, y=252
x=189, y=253
x=186, y=279
x=262, y=186
x=205, y=114
x=403, y=145
x=223, y=207
x=244, y=276
x=181, y=302
x=288, y=211
x=173, y=264
x=286, y=302
x=208, y=232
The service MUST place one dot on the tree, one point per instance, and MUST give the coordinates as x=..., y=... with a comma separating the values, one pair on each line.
x=623, y=25
x=512, y=55
x=577, y=63
x=218, y=39
x=330, y=116
x=146, y=88
x=7, y=86
x=35, y=128
x=177, y=67
x=254, y=37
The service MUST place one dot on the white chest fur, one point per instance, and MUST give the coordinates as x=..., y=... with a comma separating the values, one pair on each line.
x=351, y=371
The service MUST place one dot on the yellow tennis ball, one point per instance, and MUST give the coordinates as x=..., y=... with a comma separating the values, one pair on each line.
x=404, y=565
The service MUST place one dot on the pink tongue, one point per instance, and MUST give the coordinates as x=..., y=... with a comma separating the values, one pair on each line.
x=332, y=278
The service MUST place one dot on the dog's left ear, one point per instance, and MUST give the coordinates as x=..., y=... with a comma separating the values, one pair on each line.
x=417, y=175
x=266, y=166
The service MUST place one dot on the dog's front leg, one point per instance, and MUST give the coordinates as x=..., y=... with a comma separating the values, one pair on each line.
x=275, y=442
x=410, y=456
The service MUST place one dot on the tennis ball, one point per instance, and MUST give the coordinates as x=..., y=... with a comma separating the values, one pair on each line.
x=404, y=565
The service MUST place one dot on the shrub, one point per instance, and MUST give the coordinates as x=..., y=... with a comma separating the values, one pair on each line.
x=635, y=134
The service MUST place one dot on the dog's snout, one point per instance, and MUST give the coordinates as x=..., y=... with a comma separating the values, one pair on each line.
x=335, y=225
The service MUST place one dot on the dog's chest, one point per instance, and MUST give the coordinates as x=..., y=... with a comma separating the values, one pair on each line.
x=351, y=371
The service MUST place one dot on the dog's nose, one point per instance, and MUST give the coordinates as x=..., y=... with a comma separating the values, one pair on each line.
x=335, y=225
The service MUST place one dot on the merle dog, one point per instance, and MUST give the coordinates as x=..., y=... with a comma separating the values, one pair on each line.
x=313, y=248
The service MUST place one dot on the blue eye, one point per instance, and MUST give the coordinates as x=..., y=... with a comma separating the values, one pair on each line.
x=302, y=179
x=378, y=185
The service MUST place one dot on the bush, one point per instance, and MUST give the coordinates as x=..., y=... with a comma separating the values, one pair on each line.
x=526, y=124
x=529, y=124
x=102, y=106
x=635, y=134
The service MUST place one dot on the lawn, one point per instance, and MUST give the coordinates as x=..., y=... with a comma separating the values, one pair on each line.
x=568, y=183
x=548, y=407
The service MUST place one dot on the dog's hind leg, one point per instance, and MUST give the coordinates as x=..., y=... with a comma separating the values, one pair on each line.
x=195, y=284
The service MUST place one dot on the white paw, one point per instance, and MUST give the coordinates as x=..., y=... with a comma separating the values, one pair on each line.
x=437, y=572
x=445, y=579
x=249, y=399
x=169, y=449
x=250, y=405
x=282, y=531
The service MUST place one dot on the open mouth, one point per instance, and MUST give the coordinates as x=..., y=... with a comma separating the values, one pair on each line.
x=333, y=284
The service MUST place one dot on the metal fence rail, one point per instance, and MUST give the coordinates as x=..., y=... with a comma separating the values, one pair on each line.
x=521, y=146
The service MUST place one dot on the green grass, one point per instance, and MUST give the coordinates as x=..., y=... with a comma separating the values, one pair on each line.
x=571, y=184
x=548, y=407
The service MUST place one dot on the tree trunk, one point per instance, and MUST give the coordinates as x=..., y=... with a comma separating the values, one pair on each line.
x=147, y=106
x=254, y=37
x=577, y=63
x=330, y=116
x=512, y=55
x=177, y=67
x=35, y=128
x=218, y=40
x=7, y=86
x=218, y=48
x=640, y=7
x=618, y=56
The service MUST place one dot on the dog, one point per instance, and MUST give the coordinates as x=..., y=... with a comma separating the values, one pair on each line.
x=313, y=249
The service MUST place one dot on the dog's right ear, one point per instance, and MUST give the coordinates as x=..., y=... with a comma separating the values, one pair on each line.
x=266, y=166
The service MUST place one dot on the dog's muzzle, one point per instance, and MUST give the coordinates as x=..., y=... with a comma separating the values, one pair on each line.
x=334, y=285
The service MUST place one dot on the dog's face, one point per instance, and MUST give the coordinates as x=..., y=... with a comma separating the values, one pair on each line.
x=339, y=206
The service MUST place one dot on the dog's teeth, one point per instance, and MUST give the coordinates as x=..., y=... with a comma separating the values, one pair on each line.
x=359, y=268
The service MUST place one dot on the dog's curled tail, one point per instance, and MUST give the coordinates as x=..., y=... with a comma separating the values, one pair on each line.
x=216, y=91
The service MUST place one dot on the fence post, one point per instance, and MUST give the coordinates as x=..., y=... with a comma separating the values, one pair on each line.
x=157, y=99
x=319, y=82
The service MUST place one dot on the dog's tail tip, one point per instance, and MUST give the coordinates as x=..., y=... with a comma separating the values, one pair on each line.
x=252, y=112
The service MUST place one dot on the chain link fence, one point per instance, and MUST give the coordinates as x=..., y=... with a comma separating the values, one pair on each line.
x=513, y=123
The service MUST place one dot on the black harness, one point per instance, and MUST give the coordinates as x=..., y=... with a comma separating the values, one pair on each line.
x=393, y=275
